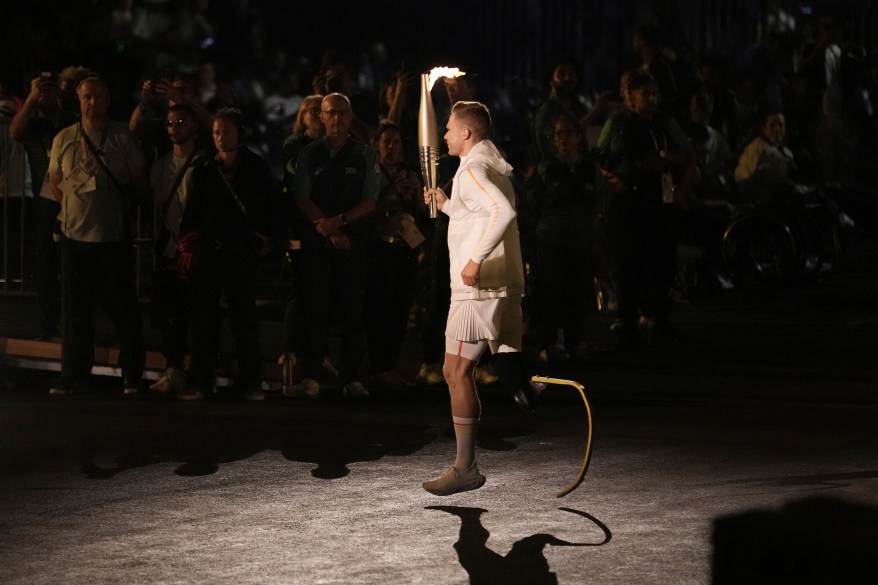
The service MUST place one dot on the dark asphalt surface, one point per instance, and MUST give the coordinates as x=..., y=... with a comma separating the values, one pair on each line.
x=751, y=448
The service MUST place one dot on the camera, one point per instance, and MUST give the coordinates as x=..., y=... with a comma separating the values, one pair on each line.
x=334, y=84
x=166, y=74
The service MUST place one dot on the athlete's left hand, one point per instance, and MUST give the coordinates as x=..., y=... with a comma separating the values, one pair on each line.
x=470, y=273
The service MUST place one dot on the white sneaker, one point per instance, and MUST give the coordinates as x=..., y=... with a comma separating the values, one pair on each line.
x=191, y=393
x=391, y=380
x=431, y=374
x=554, y=354
x=581, y=352
x=173, y=380
x=255, y=394
x=308, y=387
x=330, y=368
x=484, y=376
x=354, y=390
x=453, y=481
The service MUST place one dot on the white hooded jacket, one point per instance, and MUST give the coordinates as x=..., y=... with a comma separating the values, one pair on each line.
x=482, y=226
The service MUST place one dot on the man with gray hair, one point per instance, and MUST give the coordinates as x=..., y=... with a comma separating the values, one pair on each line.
x=96, y=172
x=337, y=184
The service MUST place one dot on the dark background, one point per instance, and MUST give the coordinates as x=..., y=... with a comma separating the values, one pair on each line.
x=508, y=41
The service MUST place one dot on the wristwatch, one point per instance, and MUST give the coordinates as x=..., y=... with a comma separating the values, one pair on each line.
x=342, y=219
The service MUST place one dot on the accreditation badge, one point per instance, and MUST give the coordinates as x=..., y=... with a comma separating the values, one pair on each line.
x=46, y=189
x=79, y=181
x=667, y=187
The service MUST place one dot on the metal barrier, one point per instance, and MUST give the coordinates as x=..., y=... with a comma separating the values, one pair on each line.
x=16, y=208
x=17, y=220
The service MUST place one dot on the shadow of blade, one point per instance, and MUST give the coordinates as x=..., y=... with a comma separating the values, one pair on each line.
x=525, y=564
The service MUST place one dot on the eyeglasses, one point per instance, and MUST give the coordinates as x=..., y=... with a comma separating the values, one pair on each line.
x=334, y=113
x=175, y=123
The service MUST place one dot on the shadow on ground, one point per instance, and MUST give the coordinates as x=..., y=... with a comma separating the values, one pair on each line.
x=106, y=434
x=524, y=564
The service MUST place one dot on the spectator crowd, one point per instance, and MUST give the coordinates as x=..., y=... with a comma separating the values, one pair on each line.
x=625, y=194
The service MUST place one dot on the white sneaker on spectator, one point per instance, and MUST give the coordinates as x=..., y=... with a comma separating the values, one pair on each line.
x=173, y=380
x=254, y=393
x=431, y=374
x=308, y=388
x=354, y=390
x=485, y=376
x=191, y=393
x=554, y=354
x=391, y=380
x=329, y=368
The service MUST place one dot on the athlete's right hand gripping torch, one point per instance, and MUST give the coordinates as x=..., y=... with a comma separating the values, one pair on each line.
x=428, y=140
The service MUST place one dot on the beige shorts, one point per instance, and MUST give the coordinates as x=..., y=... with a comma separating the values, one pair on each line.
x=497, y=321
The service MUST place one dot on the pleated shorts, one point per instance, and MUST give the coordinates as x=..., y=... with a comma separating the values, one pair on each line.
x=497, y=319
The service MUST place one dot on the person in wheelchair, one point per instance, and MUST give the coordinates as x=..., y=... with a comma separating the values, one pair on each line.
x=790, y=228
x=767, y=169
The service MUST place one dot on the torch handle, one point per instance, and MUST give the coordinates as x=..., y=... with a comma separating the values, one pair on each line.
x=430, y=170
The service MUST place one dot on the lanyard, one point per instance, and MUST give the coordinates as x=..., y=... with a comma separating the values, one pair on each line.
x=655, y=141
x=88, y=149
x=175, y=186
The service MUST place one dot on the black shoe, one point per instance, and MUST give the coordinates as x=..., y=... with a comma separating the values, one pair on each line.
x=665, y=333
x=246, y=389
x=68, y=387
x=628, y=340
x=131, y=387
x=48, y=336
x=527, y=397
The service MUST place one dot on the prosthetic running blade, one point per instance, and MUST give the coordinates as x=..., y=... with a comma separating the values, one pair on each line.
x=581, y=475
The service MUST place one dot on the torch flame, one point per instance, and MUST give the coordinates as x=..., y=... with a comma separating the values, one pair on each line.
x=450, y=72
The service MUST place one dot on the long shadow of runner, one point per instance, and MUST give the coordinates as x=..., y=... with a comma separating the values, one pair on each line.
x=332, y=445
x=221, y=432
x=335, y=440
x=525, y=563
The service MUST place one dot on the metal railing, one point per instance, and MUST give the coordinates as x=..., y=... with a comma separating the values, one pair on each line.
x=16, y=209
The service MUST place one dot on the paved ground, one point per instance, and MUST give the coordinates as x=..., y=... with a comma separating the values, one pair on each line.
x=752, y=449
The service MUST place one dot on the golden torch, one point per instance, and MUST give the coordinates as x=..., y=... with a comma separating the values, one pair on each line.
x=428, y=133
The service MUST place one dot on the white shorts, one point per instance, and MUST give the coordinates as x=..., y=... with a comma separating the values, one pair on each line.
x=497, y=321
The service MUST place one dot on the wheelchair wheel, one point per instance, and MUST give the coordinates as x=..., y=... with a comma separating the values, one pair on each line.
x=760, y=253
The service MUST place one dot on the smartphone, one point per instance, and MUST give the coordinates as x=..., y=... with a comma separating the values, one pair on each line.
x=166, y=73
x=46, y=75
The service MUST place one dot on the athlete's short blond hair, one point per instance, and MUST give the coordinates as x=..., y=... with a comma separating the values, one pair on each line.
x=475, y=116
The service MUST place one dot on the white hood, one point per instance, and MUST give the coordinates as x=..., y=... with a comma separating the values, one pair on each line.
x=486, y=152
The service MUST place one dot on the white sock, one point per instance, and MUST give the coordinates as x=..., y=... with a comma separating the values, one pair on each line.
x=465, y=433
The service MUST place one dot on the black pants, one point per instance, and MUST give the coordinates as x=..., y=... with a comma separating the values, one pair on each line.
x=16, y=219
x=564, y=289
x=220, y=276
x=47, y=269
x=334, y=280
x=390, y=289
x=99, y=274
x=440, y=295
x=642, y=253
x=170, y=312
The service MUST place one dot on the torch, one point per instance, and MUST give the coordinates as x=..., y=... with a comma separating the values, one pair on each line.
x=428, y=134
